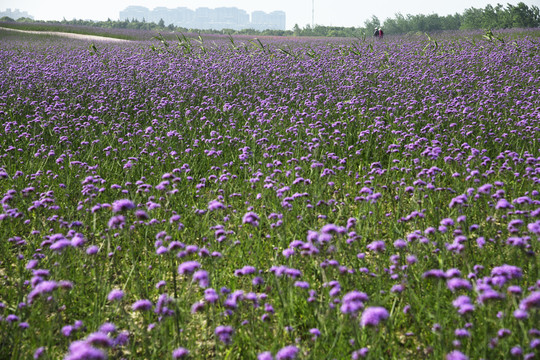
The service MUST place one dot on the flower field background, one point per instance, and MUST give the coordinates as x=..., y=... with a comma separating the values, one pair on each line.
x=276, y=198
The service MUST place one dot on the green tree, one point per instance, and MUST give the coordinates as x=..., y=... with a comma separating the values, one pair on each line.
x=372, y=24
x=296, y=30
x=451, y=22
x=472, y=18
x=522, y=16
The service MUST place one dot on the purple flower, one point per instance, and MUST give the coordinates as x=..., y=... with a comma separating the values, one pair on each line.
x=436, y=273
x=457, y=283
x=99, y=339
x=360, y=353
x=188, y=267
x=287, y=353
x=174, y=218
x=12, y=318
x=78, y=240
x=331, y=228
x=141, y=215
x=67, y=330
x=197, y=307
x=211, y=295
x=60, y=245
x=81, y=350
x=202, y=277
x=224, y=333
x=42, y=288
x=257, y=281
x=122, y=339
x=533, y=300
x=117, y=221
x=451, y=273
x=503, y=204
x=377, y=246
x=246, y=270
x=142, y=305
x=115, y=295
x=508, y=271
x=373, y=315
x=516, y=351
x=161, y=305
x=456, y=355
x=31, y=264
x=534, y=227
x=180, y=353
x=353, y=302
x=521, y=314
x=251, y=218
x=461, y=300
x=293, y=273
x=39, y=351
x=161, y=250
x=92, y=250
x=503, y=333
x=485, y=189
x=489, y=294
x=122, y=205
x=458, y=200
x=215, y=205
x=400, y=244
x=267, y=355
x=447, y=222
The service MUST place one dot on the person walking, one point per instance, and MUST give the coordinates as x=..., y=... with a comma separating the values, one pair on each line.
x=381, y=33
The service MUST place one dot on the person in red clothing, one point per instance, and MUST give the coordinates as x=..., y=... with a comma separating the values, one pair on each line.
x=381, y=33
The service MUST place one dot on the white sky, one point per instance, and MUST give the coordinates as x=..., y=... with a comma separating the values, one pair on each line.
x=327, y=12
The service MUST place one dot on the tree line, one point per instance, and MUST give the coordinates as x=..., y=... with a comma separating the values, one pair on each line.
x=490, y=17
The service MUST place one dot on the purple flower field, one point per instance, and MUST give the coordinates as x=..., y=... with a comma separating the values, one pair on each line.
x=275, y=199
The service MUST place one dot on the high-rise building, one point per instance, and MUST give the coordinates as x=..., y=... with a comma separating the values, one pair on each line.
x=15, y=14
x=278, y=19
x=135, y=12
x=231, y=18
x=160, y=13
x=206, y=18
x=182, y=16
x=273, y=21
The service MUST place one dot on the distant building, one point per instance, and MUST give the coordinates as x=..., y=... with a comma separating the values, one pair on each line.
x=230, y=17
x=134, y=12
x=206, y=18
x=16, y=14
x=182, y=15
x=273, y=21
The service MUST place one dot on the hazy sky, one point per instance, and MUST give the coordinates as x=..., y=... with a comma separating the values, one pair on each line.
x=327, y=12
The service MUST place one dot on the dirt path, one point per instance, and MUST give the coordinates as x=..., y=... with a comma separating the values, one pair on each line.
x=68, y=35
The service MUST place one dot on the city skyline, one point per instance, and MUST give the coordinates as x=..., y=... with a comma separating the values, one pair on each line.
x=206, y=18
x=329, y=13
x=15, y=14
